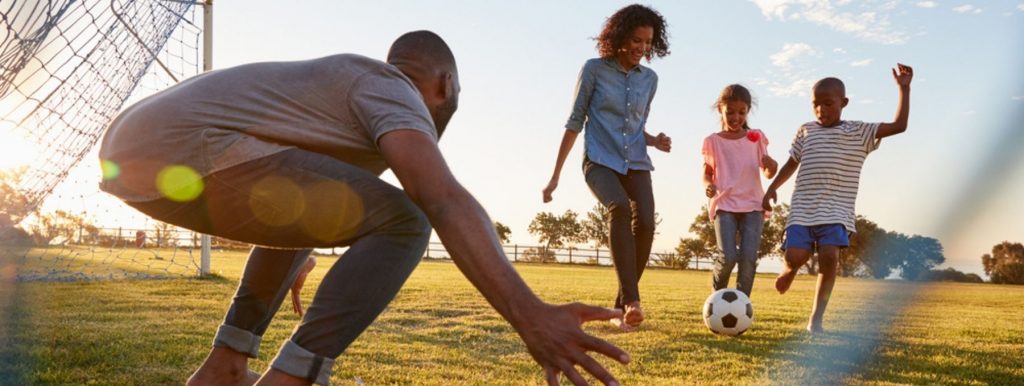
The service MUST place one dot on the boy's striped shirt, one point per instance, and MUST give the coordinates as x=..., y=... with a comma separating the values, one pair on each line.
x=830, y=162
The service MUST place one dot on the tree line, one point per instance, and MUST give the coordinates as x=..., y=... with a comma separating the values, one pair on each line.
x=873, y=252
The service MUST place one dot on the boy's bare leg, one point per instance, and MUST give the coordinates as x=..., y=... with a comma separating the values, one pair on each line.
x=828, y=263
x=795, y=258
x=224, y=366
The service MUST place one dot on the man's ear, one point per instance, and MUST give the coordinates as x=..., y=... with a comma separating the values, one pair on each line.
x=846, y=101
x=446, y=85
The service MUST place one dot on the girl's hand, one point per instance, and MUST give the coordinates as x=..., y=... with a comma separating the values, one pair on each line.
x=711, y=190
x=550, y=189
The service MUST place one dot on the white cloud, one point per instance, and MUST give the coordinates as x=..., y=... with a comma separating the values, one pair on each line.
x=839, y=50
x=798, y=87
x=969, y=112
x=967, y=8
x=1020, y=7
x=867, y=24
x=926, y=4
x=867, y=101
x=790, y=52
x=861, y=63
x=1017, y=97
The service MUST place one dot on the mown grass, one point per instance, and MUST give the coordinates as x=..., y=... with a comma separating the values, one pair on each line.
x=439, y=330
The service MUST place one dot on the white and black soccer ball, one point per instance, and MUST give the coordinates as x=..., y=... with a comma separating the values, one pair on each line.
x=728, y=312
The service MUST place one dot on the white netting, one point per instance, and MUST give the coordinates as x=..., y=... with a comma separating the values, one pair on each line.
x=66, y=68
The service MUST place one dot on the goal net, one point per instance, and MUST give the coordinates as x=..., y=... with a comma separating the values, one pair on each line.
x=66, y=68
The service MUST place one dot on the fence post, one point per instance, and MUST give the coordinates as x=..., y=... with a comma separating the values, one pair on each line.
x=515, y=252
x=570, y=255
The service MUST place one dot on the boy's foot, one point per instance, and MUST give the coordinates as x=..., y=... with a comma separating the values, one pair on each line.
x=633, y=315
x=784, y=280
x=815, y=329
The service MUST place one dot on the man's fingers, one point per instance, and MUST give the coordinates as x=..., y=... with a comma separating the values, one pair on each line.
x=588, y=313
x=595, y=369
x=570, y=372
x=551, y=375
x=602, y=347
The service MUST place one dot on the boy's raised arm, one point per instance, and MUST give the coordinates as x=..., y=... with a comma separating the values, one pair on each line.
x=903, y=76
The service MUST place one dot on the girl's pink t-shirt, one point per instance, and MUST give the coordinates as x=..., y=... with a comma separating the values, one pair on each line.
x=737, y=171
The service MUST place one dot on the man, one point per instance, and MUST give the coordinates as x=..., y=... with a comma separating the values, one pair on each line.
x=286, y=155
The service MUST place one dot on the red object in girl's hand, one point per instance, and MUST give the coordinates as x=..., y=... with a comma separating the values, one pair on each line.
x=753, y=136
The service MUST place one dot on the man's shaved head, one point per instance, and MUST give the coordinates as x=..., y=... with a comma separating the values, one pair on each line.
x=428, y=62
x=422, y=52
x=830, y=84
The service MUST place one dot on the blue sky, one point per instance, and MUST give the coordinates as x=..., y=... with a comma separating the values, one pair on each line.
x=953, y=175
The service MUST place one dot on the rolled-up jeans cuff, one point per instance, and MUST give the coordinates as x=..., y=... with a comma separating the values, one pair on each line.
x=237, y=339
x=302, y=363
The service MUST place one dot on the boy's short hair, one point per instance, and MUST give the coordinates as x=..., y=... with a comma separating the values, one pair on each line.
x=830, y=83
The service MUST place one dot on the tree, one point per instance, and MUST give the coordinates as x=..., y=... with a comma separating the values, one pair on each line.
x=871, y=251
x=503, y=232
x=690, y=249
x=557, y=231
x=60, y=226
x=951, y=274
x=1006, y=263
x=13, y=204
x=595, y=226
x=165, y=234
x=920, y=254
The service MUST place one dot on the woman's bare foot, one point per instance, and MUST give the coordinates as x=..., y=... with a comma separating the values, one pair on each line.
x=785, y=279
x=634, y=315
x=618, y=323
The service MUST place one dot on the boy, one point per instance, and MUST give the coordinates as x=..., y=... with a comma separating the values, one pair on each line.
x=830, y=153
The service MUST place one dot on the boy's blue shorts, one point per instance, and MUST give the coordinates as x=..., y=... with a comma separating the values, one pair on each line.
x=808, y=237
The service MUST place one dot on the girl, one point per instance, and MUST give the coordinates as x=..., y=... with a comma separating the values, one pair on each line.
x=732, y=158
x=613, y=98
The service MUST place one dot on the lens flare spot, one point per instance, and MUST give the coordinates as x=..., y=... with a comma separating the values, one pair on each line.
x=337, y=212
x=179, y=183
x=277, y=201
x=110, y=169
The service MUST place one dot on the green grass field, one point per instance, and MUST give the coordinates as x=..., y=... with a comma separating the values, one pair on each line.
x=439, y=330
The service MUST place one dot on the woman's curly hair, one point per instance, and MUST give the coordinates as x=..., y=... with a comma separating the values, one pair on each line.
x=619, y=27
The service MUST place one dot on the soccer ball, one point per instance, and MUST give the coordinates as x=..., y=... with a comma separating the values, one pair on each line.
x=728, y=312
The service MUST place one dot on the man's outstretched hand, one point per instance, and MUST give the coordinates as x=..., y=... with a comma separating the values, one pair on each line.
x=555, y=340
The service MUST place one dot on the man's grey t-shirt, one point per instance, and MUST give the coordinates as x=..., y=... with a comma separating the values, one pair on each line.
x=337, y=105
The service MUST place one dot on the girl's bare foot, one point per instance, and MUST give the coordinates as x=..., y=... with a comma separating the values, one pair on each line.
x=618, y=323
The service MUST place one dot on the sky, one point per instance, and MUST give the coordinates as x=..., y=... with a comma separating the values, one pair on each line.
x=955, y=175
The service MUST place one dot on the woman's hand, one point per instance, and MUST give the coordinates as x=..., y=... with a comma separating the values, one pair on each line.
x=661, y=142
x=550, y=189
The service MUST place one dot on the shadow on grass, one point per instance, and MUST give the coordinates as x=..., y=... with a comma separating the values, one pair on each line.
x=16, y=362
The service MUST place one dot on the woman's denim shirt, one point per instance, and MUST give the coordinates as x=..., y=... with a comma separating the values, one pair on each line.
x=613, y=104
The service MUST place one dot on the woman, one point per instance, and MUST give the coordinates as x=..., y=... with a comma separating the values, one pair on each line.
x=613, y=98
